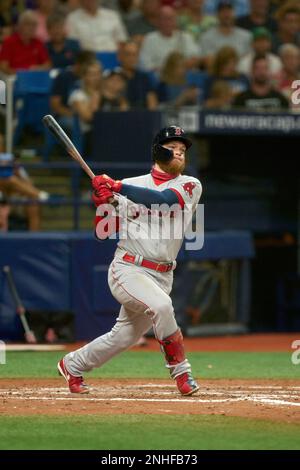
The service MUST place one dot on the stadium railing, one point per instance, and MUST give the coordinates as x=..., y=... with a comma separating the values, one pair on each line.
x=77, y=199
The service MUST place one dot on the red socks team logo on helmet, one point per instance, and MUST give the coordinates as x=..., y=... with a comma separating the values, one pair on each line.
x=165, y=135
x=178, y=131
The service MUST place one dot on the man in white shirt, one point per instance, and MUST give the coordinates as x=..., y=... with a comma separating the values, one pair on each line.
x=225, y=34
x=159, y=44
x=97, y=29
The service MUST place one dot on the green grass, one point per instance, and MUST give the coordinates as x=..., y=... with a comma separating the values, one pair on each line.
x=145, y=432
x=207, y=365
x=131, y=431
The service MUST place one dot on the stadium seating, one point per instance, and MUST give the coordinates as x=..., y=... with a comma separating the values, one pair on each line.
x=198, y=79
x=109, y=60
x=31, y=94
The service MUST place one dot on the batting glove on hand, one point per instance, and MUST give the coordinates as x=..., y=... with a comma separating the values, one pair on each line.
x=106, y=181
x=102, y=196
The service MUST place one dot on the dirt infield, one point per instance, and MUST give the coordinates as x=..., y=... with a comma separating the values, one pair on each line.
x=261, y=399
x=242, y=343
x=277, y=400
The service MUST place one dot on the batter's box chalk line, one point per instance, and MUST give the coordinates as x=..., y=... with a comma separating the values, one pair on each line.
x=209, y=395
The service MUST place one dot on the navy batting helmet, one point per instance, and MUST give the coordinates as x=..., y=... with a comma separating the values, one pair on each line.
x=165, y=135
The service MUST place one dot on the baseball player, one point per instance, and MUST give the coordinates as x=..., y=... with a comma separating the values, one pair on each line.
x=140, y=276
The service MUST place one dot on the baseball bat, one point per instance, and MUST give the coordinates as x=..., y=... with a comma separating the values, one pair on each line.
x=29, y=334
x=66, y=142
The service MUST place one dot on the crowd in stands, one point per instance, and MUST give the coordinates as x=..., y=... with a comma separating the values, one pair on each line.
x=216, y=54
x=242, y=54
x=157, y=44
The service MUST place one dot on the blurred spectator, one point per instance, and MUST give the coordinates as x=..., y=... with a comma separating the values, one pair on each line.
x=146, y=21
x=261, y=45
x=259, y=16
x=220, y=96
x=194, y=21
x=10, y=11
x=290, y=57
x=159, y=44
x=71, y=5
x=62, y=51
x=241, y=7
x=224, y=68
x=140, y=91
x=45, y=8
x=127, y=11
x=85, y=100
x=261, y=95
x=22, y=50
x=14, y=181
x=99, y=91
x=6, y=19
x=176, y=4
x=4, y=213
x=96, y=29
x=288, y=18
x=275, y=4
x=64, y=84
x=4, y=205
x=173, y=88
x=225, y=34
x=112, y=92
x=112, y=4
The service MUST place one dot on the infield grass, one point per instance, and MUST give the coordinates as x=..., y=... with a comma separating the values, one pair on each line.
x=135, y=364
x=145, y=432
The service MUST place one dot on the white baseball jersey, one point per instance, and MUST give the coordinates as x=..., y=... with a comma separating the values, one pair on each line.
x=158, y=234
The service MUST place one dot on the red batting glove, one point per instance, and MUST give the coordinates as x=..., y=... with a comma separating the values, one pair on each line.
x=102, y=196
x=104, y=180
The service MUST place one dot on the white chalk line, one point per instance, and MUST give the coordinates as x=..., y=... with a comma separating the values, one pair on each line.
x=269, y=401
x=168, y=385
x=237, y=395
x=225, y=387
x=266, y=401
x=284, y=393
x=287, y=391
x=90, y=399
x=134, y=387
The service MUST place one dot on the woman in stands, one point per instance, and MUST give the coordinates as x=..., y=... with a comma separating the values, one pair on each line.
x=173, y=88
x=224, y=68
x=85, y=100
x=97, y=92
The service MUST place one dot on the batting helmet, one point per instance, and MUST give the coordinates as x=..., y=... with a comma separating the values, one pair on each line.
x=165, y=135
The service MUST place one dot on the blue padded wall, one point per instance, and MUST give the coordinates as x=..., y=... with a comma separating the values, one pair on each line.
x=68, y=272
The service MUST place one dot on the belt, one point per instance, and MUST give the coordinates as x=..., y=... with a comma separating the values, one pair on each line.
x=140, y=261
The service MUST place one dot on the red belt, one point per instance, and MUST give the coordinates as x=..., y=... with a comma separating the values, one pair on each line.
x=160, y=267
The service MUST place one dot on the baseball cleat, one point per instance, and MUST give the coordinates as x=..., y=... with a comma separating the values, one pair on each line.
x=76, y=384
x=186, y=384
